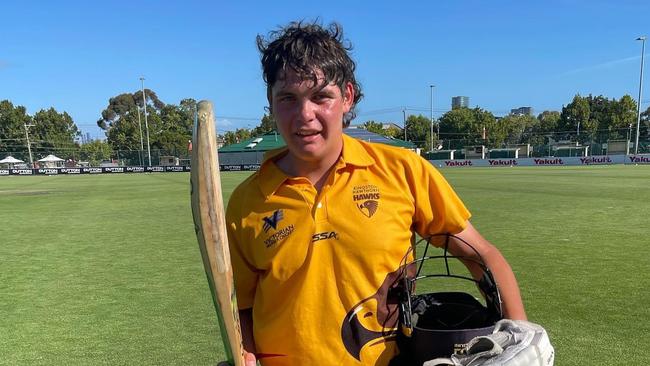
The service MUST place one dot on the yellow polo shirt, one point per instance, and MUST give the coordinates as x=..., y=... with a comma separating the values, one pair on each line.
x=316, y=268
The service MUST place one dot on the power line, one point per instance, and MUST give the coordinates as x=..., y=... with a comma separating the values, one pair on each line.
x=239, y=118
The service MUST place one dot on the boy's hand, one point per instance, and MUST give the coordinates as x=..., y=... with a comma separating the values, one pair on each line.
x=249, y=358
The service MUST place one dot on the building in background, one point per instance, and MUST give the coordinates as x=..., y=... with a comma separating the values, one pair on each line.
x=522, y=111
x=251, y=151
x=459, y=102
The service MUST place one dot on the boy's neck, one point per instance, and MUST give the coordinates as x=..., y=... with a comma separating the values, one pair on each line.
x=316, y=172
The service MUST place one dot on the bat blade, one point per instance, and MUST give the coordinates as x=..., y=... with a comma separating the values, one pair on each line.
x=210, y=227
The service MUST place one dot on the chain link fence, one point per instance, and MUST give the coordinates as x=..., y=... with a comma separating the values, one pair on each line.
x=529, y=144
x=77, y=157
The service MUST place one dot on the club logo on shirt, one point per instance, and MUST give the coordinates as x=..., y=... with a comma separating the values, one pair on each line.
x=272, y=221
x=375, y=319
x=280, y=234
x=366, y=198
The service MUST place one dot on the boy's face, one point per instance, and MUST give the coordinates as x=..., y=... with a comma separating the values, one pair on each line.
x=310, y=116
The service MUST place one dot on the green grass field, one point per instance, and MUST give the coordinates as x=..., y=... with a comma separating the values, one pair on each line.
x=105, y=270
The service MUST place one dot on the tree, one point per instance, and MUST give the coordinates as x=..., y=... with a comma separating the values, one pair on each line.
x=623, y=118
x=484, y=128
x=243, y=134
x=543, y=131
x=54, y=132
x=229, y=138
x=418, y=130
x=576, y=116
x=95, y=151
x=125, y=108
x=514, y=127
x=127, y=103
x=464, y=126
x=644, y=128
x=267, y=124
x=12, y=129
x=169, y=125
x=457, y=123
x=175, y=129
x=548, y=121
x=393, y=132
x=237, y=136
x=124, y=134
x=372, y=126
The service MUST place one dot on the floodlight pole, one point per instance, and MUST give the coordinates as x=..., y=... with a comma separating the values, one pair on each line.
x=431, y=106
x=141, y=142
x=638, y=113
x=29, y=146
x=146, y=125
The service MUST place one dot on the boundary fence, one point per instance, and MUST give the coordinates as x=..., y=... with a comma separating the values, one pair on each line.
x=119, y=170
x=641, y=159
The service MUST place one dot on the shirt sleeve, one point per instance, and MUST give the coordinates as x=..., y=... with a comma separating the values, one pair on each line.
x=438, y=209
x=245, y=275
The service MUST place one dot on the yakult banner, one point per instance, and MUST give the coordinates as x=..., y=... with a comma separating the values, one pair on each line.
x=638, y=159
x=549, y=161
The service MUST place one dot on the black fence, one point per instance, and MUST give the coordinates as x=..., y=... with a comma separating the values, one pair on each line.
x=121, y=170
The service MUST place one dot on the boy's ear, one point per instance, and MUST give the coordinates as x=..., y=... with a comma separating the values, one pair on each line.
x=269, y=98
x=348, y=94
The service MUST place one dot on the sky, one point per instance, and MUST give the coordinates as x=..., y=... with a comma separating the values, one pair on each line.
x=75, y=55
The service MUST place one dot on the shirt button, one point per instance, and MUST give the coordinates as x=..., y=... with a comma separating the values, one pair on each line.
x=319, y=205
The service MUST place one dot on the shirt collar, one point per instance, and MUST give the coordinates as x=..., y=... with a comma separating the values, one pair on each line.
x=271, y=177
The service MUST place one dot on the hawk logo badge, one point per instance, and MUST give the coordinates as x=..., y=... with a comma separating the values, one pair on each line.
x=272, y=221
x=366, y=198
x=369, y=207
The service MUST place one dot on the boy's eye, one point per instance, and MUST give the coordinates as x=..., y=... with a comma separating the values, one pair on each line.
x=286, y=98
x=321, y=96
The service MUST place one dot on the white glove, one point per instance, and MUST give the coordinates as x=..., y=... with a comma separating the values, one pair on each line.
x=513, y=343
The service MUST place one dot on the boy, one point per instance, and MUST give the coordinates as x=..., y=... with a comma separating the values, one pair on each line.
x=327, y=222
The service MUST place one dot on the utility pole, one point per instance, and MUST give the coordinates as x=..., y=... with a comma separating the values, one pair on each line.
x=404, y=114
x=146, y=125
x=431, y=88
x=141, y=143
x=638, y=113
x=29, y=146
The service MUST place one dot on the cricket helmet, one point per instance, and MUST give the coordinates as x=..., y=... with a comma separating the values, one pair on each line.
x=439, y=324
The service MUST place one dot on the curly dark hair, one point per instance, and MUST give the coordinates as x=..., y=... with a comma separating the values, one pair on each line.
x=306, y=48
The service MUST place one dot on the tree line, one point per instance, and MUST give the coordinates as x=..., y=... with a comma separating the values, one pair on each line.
x=170, y=127
x=585, y=119
x=123, y=123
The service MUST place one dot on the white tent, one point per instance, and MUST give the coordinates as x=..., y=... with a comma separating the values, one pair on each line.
x=51, y=161
x=10, y=160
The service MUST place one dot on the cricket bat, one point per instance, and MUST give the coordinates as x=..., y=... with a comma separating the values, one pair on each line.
x=210, y=227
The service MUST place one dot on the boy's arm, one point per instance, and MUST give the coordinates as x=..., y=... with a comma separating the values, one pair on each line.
x=513, y=307
x=246, y=321
x=246, y=324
